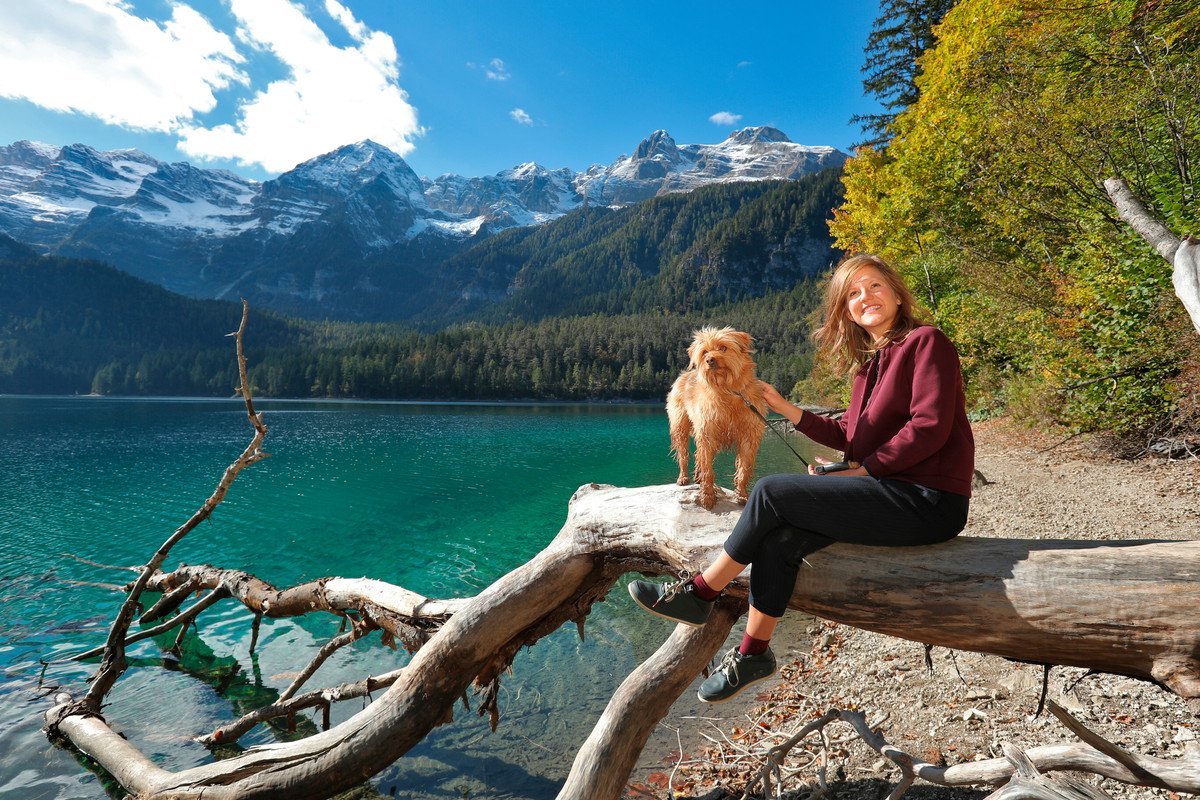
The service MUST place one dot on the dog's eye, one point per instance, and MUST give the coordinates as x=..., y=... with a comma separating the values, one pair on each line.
x=721, y=348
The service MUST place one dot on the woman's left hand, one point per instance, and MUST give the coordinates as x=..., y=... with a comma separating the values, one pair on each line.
x=856, y=470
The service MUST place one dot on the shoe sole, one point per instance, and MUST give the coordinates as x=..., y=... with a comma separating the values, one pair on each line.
x=741, y=689
x=660, y=614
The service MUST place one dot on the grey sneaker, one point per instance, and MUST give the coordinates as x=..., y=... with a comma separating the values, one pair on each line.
x=674, y=601
x=735, y=673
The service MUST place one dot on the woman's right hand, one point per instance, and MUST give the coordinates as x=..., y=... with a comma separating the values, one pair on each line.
x=775, y=401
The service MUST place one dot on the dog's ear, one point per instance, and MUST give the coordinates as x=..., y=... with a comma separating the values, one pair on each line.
x=694, y=354
x=744, y=341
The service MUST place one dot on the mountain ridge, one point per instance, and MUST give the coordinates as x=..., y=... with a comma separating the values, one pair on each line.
x=346, y=234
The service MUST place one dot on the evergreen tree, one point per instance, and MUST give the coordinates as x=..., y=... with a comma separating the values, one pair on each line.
x=901, y=33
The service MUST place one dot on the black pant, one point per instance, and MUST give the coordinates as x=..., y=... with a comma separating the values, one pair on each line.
x=791, y=515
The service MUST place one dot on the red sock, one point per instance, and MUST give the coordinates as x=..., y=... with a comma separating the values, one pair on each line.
x=751, y=646
x=702, y=589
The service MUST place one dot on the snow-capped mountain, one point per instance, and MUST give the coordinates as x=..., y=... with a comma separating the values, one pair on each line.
x=356, y=223
x=659, y=165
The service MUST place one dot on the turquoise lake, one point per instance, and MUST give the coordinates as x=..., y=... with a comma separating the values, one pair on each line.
x=438, y=498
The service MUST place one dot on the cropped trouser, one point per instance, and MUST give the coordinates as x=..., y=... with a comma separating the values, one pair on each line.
x=789, y=516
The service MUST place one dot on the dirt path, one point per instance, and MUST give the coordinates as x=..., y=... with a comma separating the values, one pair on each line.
x=970, y=703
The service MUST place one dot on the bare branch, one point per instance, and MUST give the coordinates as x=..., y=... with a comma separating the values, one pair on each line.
x=320, y=698
x=329, y=648
x=1138, y=217
x=113, y=663
x=185, y=618
x=1183, y=254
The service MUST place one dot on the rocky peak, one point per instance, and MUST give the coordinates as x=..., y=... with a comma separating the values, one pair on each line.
x=658, y=143
x=34, y=155
x=354, y=165
x=763, y=133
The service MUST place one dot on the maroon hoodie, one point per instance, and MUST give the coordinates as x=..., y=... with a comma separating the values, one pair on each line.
x=907, y=418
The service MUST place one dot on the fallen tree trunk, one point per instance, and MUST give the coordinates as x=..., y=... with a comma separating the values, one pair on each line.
x=1122, y=607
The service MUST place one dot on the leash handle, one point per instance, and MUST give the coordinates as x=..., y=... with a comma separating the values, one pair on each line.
x=767, y=422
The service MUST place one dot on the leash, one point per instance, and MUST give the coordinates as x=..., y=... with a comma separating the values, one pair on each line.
x=766, y=422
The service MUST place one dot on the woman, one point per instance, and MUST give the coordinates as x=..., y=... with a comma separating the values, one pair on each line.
x=909, y=452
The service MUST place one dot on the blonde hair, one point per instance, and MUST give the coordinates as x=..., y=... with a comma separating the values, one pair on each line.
x=840, y=339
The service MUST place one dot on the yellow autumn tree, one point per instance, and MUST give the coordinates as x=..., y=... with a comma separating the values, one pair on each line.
x=989, y=196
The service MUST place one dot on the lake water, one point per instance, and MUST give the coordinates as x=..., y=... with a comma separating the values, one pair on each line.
x=438, y=498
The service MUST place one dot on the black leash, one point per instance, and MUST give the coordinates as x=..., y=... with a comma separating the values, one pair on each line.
x=767, y=422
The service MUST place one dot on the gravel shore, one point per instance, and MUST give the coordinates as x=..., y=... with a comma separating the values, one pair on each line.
x=969, y=704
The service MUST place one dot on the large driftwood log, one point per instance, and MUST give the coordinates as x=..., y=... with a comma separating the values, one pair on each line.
x=1122, y=607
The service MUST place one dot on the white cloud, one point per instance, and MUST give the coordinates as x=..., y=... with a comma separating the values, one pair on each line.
x=725, y=118
x=496, y=70
x=331, y=96
x=99, y=58
x=743, y=64
x=94, y=57
x=520, y=116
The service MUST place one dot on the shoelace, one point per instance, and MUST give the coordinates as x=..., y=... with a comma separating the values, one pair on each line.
x=728, y=665
x=672, y=590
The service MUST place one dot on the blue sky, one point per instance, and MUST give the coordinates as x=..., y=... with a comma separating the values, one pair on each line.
x=257, y=86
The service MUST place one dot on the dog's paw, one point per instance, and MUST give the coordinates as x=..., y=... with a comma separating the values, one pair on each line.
x=707, y=500
x=683, y=480
x=741, y=499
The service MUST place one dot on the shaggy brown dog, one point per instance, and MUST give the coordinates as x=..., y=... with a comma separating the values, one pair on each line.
x=704, y=403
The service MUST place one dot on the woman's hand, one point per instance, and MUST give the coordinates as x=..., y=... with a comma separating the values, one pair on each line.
x=776, y=402
x=856, y=469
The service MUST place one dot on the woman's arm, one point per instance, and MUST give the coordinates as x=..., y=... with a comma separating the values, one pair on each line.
x=829, y=432
x=936, y=395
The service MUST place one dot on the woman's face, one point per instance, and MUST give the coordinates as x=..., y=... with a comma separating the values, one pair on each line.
x=871, y=303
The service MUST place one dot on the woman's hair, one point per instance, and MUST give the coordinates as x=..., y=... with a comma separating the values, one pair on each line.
x=839, y=338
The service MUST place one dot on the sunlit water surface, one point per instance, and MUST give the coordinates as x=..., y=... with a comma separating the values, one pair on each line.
x=438, y=498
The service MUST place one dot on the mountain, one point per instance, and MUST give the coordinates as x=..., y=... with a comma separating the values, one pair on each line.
x=352, y=234
x=660, y=166
x=677, y=252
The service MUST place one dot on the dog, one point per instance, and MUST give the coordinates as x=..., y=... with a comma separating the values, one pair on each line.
x=708, y=402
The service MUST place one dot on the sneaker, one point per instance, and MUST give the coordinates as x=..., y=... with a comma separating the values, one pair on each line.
x=735, y=673
x=674, y=601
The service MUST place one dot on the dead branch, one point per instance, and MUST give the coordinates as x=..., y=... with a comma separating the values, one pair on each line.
x=183, y=619
x=1029, y=784
x=91, y=563
x=113, y=663
x=406, y=615
x=329, y=648
x=1137, y=216
x=1096, y=756
x=322, y=698
x=603, y=763
x=169, y=602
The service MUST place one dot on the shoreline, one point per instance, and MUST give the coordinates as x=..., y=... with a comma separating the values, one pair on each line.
x=1038, y=486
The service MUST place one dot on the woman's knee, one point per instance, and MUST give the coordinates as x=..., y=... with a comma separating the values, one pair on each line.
x=764, y=497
